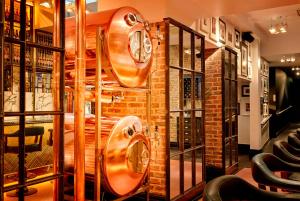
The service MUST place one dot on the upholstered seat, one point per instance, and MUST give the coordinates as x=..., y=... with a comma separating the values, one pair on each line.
x=232, y=188
x=263, y=167
x=286, y=152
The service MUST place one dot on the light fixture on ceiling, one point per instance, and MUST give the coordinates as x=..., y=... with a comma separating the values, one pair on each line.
x=46, y=4
x=285, y=59
x=279, y=25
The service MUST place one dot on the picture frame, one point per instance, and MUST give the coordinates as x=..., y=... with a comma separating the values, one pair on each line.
x=247, y=107
x=249, y=52
x=237, y=38
x=230, y=37
x=205, y=24
x=245, y=91
x=213, y=28
x=222, y=31
x=244, y=60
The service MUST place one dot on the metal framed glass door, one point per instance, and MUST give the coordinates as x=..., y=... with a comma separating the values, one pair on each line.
x=230, y=135
x=185, y=119
x=32, y=98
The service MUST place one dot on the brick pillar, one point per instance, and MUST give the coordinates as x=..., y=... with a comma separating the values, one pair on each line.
x=213, y=108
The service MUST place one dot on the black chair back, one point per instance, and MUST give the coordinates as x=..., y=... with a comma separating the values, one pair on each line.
x=265, y=164
x=234, y=188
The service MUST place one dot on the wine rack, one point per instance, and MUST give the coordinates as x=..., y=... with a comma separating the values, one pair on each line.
x=11, y=50
x=38, y=61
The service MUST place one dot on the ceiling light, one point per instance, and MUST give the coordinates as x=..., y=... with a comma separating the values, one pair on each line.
x=46, y=4
x=278, y=26
x=291, y=59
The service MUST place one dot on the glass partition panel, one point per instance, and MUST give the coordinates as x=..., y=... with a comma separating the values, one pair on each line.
x=174, y=45
x=188, y=156
x=175, y=176
x=187, y=51
x=11, y=150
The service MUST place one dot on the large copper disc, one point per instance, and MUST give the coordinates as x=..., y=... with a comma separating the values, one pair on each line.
x=125, y=157
x=127, y=45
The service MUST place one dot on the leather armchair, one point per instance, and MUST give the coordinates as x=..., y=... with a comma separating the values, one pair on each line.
x=232, y=188
x=294, y=140
x=286, y=152
x=263, y=165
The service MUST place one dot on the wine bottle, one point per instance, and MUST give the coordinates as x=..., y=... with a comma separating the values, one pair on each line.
x=7, y=12
x=17, y=15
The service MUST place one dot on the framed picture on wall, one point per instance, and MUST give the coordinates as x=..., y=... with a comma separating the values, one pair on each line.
x=230, y=37
x=245, y=91
x=247, y=107
x=213, y=28
x=205, y=25
x=237, y=38
x=222, y=31
x=244, y=58
x=249, y=52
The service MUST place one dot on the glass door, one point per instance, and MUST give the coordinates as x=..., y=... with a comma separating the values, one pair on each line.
x=32, y=94
x=185, y=119
x=230, y=110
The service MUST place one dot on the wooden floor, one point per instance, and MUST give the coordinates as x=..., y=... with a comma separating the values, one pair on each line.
x=45, y=193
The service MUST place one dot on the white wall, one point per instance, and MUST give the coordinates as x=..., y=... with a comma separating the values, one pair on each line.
x=255, y=116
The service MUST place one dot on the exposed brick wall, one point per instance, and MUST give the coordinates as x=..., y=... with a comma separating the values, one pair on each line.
x=134, y=103
x=213, y=107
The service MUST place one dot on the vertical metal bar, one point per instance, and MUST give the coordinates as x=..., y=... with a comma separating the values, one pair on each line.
x=193, y=119
x=79, y=138
x=98, y=88
x=2, y=19
x=223, y=107
x=203, y=104
x=167, y=42
x=62, y=95
x=58, y=97
x=181, y=119
x=22, y=35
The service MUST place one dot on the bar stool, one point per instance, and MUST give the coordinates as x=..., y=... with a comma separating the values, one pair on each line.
x=37, y=132
x=233, y=188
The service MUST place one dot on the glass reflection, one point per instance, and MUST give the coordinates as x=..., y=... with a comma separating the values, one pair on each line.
x=198, y=91
x=199, y=166
x=188, y=170
x=187, y=52
x=174, y=176
x=11, y=150
x=187, y=90
x=198, y=54
x=174, y=89
x=174, y=45
x=174, y=132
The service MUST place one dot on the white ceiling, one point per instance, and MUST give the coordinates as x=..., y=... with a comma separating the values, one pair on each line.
x=273, y=47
